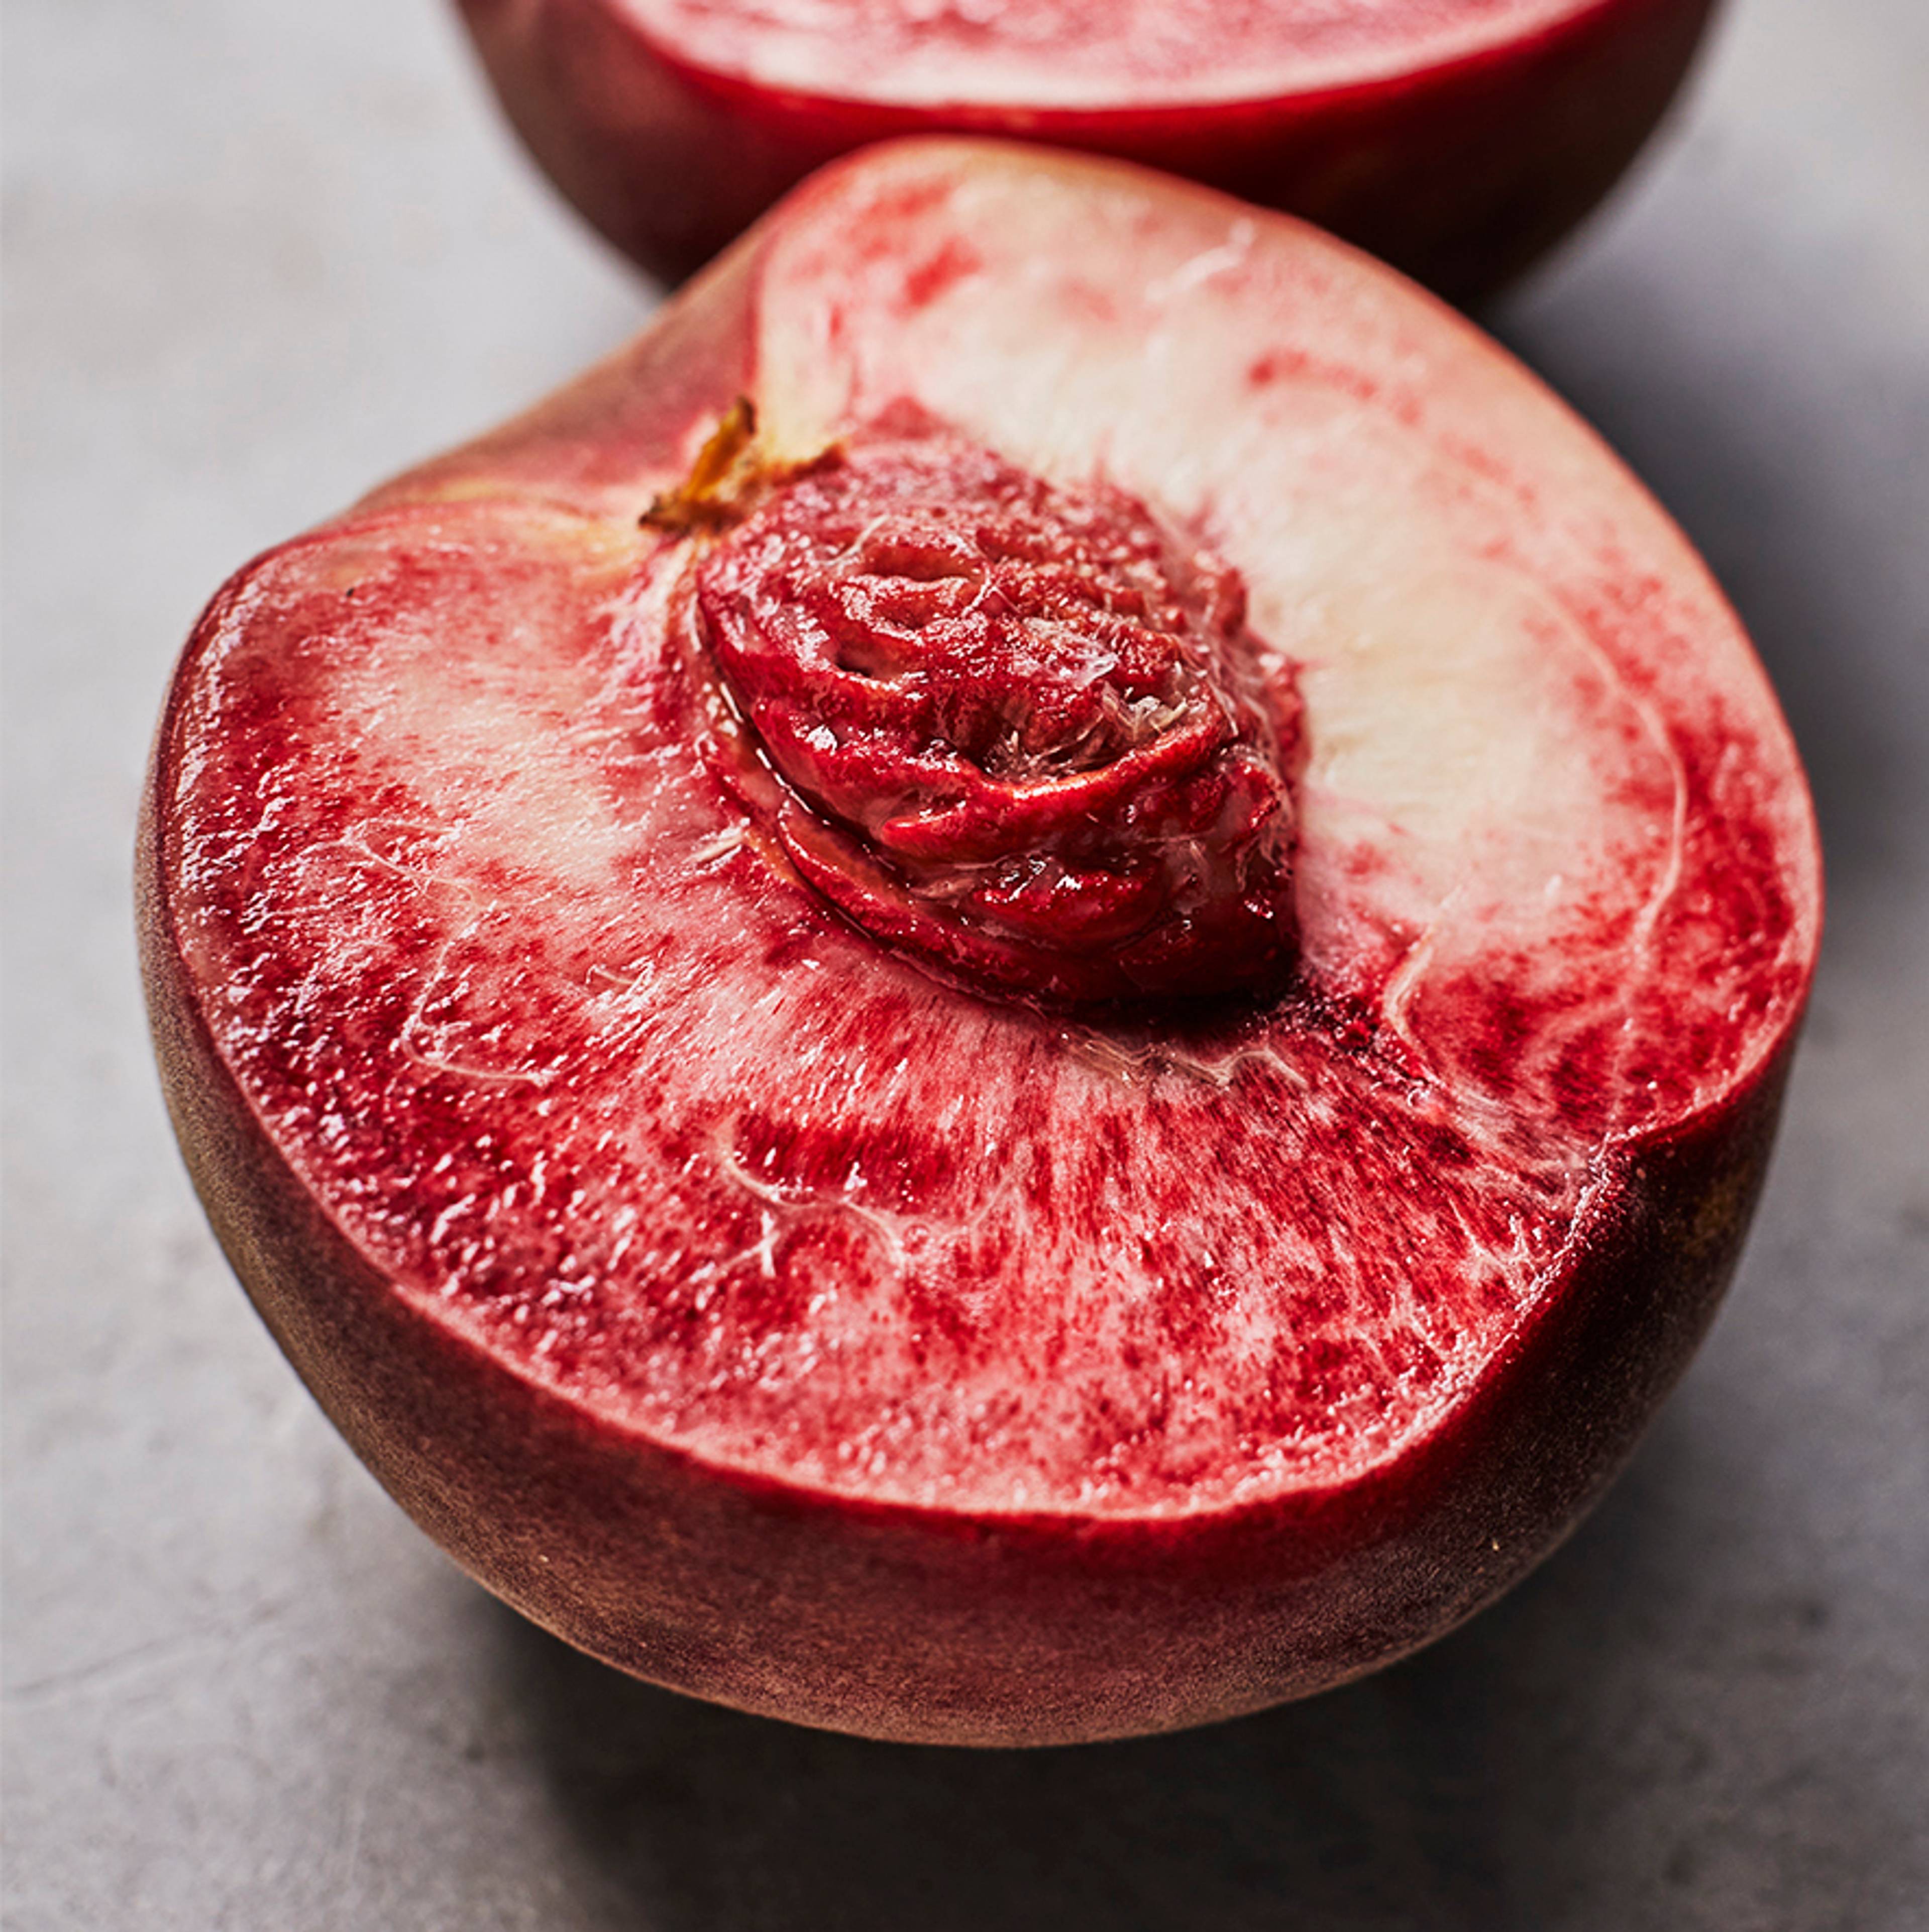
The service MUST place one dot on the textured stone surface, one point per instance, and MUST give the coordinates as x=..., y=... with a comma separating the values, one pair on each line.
x=260, y=256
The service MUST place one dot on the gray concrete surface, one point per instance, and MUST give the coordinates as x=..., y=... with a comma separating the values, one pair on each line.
x=260, y=255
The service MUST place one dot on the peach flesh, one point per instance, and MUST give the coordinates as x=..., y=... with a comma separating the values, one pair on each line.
x=784, y=1325
x=1458, y=142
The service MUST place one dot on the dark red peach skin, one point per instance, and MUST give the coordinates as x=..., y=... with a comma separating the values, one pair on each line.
x=884, y=1618
x=1461, y=173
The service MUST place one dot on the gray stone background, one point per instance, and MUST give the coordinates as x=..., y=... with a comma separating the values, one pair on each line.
x=260, y=255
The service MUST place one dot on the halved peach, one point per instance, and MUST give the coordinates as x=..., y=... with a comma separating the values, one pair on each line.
x=810, y=1316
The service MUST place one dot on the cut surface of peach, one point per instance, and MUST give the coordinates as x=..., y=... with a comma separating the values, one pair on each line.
x=468, y=944
x=1061, y=54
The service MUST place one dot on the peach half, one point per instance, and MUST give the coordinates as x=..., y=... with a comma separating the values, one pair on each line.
x=1028, y=986
x=1457, y=139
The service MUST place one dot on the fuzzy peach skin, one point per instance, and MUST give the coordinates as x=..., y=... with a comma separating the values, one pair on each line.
x=789, y=1326
x=1458, y=142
